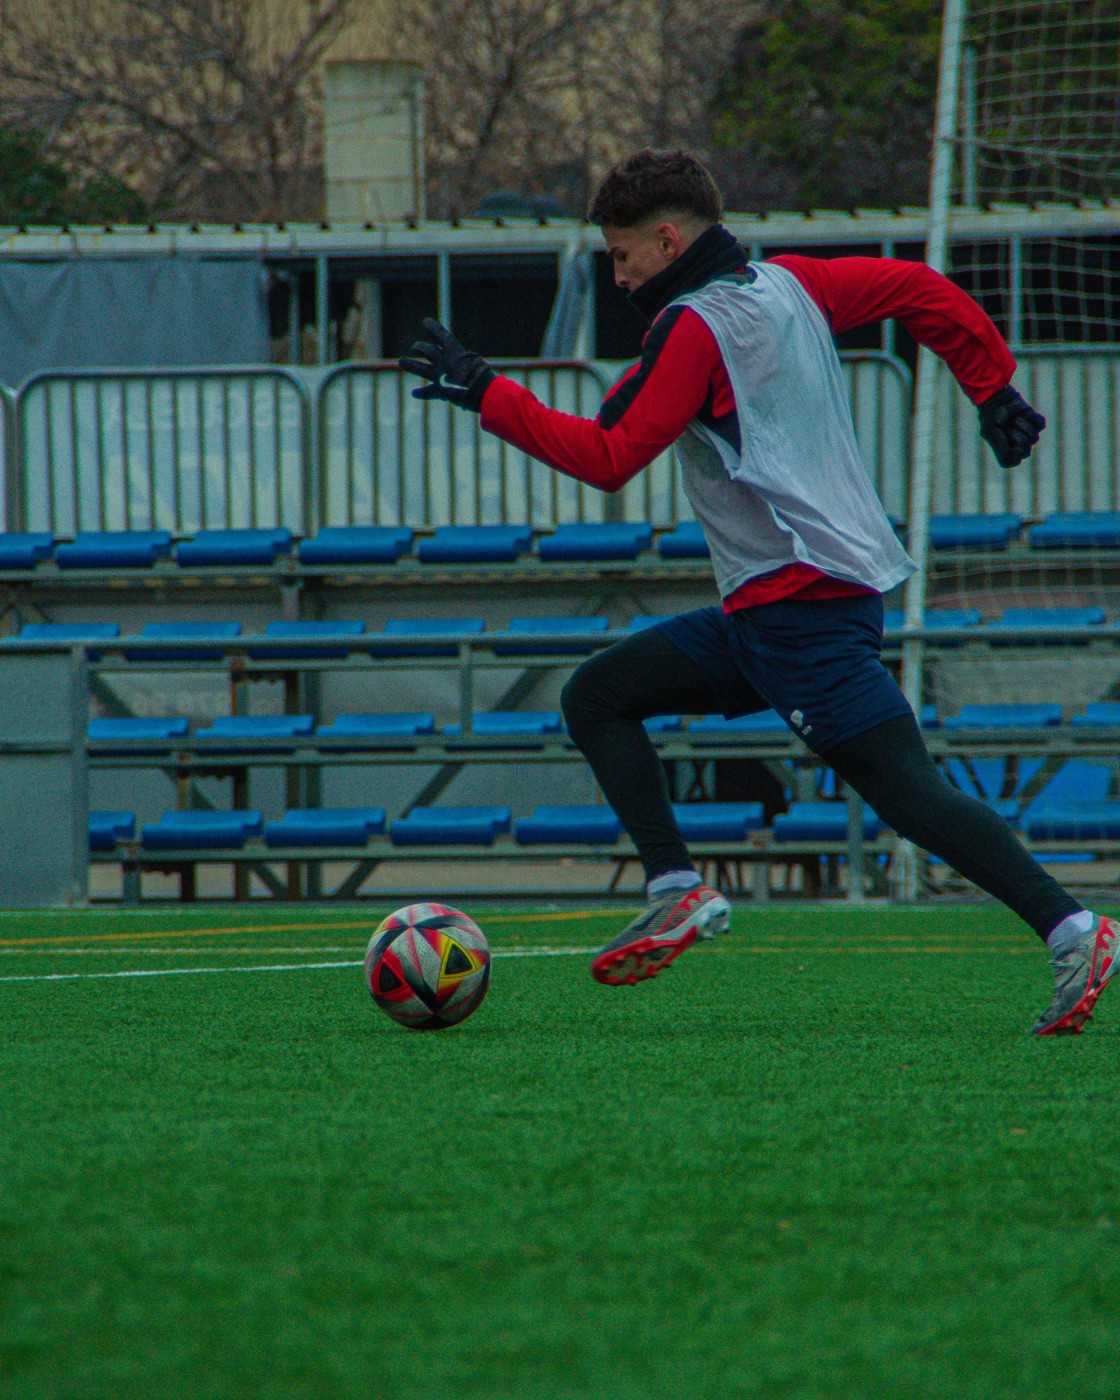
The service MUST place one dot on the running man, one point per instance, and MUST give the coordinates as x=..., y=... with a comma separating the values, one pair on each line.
x=740, y=371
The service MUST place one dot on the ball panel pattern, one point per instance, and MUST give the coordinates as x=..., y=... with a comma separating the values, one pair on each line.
x=428, y=966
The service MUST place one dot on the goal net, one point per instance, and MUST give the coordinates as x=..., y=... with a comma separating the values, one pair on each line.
x=1031, y=209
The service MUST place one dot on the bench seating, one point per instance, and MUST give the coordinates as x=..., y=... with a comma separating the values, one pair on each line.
x=558, y=627
x=995, y=531
x=25, y=549
x=450, y=826
x=325, y=826
x=199, y=830
x=1077, y=530
x=596, y=542
x=114, y=549
x=476, y=544
x=357, y=544
x=685, y=542
x=107, y=828
x=234, y=548
x=821, y=821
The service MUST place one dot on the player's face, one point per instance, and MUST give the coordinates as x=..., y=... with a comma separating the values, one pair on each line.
x=639, y=253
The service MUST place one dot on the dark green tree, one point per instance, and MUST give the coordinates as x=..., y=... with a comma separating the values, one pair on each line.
x=37, y=190
x=830, y=104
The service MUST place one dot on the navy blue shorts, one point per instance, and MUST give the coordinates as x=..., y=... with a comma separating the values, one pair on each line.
x=816, y=663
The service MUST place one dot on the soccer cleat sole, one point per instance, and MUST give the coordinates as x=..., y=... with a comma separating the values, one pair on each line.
x=648, y=955
x=1078, y=1017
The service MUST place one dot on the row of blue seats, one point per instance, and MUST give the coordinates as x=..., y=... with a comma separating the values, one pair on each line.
x=320, y=640
x=490, y=544
x=1061, y=530
x=1087, y=819
x=350, y=545
x=259, y=729
x=424, y=826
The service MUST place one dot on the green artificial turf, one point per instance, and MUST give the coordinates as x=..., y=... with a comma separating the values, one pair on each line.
x=819, y=1158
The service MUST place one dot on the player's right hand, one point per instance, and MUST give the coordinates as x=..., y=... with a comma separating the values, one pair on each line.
x=1010, y=426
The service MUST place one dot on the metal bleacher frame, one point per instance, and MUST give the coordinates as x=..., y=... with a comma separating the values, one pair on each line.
x=187, y=757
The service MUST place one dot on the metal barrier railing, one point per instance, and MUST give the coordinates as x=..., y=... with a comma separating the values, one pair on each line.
x=1074, y=465
x=186, y=449
x=385, y=458
x=178, y=450
x=8, y=492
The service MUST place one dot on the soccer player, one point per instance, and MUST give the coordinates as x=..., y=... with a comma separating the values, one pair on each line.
x=740, y=371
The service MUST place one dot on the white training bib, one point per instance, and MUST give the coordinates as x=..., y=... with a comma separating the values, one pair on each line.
x=797, y=491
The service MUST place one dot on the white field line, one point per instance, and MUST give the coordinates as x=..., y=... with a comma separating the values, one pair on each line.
x=272, y=967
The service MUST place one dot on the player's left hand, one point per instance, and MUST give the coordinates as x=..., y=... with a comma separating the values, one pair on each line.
x=459, y=376
x=1010, y=426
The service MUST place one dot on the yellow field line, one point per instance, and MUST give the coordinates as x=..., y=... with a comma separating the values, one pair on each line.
x=567, y=915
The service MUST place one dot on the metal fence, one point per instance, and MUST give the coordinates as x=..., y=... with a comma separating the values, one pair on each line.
x=178, y=450
x=1074, y=466
x=186, y=449
x=8, y=502
x=386, y=458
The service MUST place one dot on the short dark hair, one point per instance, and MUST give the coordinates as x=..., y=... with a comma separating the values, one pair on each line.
x=656, y=182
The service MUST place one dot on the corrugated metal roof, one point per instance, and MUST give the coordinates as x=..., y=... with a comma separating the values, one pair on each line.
x=518, y=235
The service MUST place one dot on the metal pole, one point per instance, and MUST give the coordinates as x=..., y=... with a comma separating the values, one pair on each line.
x=968, y=152
x=937, y=248
x=322, y=307
x=443, y=288
x=1015, y=289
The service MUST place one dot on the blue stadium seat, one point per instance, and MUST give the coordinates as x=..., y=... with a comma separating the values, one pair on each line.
x=427, y=627
x=1005, y=717
x=1077, y=530
x=1073, y=821
x=200, y=830
x=69, y=631
x=186, y=635
x=476, y=544
x=973, y=531
x=498, y=723
x=157, y=730
x=568, y=825
x=307, y=632
x=935, y=619
x=114, y=549
x=357, y=544
x=718, y=821
x=24, y=550
x=1027, y=620
x=821, y=821
x=400, y=725
x=232, y=733
x=72, y=632
x=234, y=547
x=107, y=828
x=325, y=826
x=664, y=724
x=685, y=542
x=450, y=826
x=553, y=626
x=1101, y=714
x=639, y=624
x=588, y=542
x=714, y=728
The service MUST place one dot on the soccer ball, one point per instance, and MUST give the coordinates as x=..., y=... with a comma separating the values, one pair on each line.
x=428, y=966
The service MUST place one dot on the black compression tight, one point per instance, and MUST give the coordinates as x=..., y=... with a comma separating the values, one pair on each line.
x=889, y=766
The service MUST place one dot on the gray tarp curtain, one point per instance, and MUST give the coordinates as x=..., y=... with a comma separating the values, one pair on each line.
x=105, y=313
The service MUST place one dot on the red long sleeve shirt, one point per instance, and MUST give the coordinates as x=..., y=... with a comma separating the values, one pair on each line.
x=686, y=378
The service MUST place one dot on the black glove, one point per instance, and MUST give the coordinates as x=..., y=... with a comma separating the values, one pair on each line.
x=1010, y=426
x=457, y=375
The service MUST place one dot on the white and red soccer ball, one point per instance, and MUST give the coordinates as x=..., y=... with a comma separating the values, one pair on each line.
x=428, y=966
